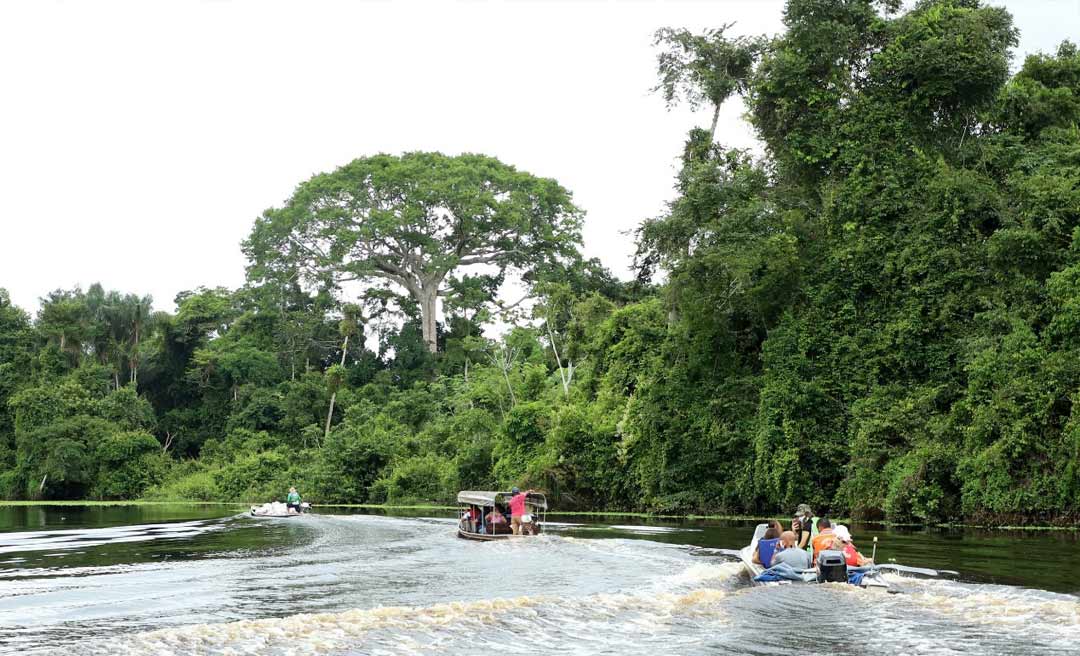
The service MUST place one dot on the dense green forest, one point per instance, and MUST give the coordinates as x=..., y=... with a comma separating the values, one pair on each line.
x=878, y=314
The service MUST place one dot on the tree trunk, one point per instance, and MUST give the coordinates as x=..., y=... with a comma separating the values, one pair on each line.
x=135, y=357
x=333, y=395
x=429, y=295
x=715, y=119
x=565, y=375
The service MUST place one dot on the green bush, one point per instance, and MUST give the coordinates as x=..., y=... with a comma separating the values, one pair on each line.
x=194, y=484
x=420, y=478
x=354, y=455
x=129, y=462
x=520, y=439
x=255, y=477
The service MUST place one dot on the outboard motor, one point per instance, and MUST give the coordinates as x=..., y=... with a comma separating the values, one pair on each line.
x=832, y=568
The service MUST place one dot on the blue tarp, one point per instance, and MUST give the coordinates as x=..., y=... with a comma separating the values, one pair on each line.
x=785, y=572
x=780, y=572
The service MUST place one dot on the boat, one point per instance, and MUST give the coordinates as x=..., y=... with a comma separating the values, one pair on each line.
x=278, y=509
x=871, y=574
x=474, y=507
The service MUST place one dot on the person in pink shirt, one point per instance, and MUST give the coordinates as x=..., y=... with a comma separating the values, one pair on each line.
x=517, y=508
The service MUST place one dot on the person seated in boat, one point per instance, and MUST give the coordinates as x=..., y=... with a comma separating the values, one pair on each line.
x=766, y=546
x=529, y=525
x=802, y=524
x=824, y=539
x=851, y=554
x=292, y=501
x=789, y=553
x=472, y=520
x=496, y=522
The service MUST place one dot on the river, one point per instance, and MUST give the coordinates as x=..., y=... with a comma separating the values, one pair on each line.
x=206, y=580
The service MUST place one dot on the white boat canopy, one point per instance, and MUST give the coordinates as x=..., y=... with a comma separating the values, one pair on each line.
x=486, y=498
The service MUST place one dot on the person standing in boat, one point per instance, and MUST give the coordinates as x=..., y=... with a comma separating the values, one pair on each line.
x=292, y=501
x=517, y=508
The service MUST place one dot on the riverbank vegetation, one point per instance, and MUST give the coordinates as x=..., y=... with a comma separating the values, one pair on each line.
x=879, y=315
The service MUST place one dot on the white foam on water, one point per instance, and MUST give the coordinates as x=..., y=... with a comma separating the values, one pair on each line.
x=1003, y=606
x=1003, y=619
x=705, y=572
x=30, y=541
x=626, y=619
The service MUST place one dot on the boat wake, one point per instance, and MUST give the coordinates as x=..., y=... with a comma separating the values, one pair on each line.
x=28, y=541
x=591, y=624
x=1021, y=613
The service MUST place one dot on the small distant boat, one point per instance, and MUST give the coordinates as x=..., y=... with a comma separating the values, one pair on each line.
x=475, y=506
x=871, y=574
x=278, y=509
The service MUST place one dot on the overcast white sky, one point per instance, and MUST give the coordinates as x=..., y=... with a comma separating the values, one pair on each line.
x=139, y=140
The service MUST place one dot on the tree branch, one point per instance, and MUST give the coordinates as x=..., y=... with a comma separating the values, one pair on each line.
x=485, y=258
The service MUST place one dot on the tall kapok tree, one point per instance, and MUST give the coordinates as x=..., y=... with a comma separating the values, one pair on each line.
x=411, y=221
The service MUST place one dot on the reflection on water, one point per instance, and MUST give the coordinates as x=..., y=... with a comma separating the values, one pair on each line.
x=125, y=581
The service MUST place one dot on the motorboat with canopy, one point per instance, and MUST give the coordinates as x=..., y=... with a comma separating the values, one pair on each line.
x=485, y=515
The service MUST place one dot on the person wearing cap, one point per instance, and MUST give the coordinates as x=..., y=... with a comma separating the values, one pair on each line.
x=517, y=508
x=842, y=542
x=803, y=525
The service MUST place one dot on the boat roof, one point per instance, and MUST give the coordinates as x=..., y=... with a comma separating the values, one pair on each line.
x=489, y=498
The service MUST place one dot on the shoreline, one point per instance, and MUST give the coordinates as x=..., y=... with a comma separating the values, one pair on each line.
x=567, y=513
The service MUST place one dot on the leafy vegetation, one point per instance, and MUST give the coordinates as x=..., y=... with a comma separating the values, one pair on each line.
x=879, y=317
